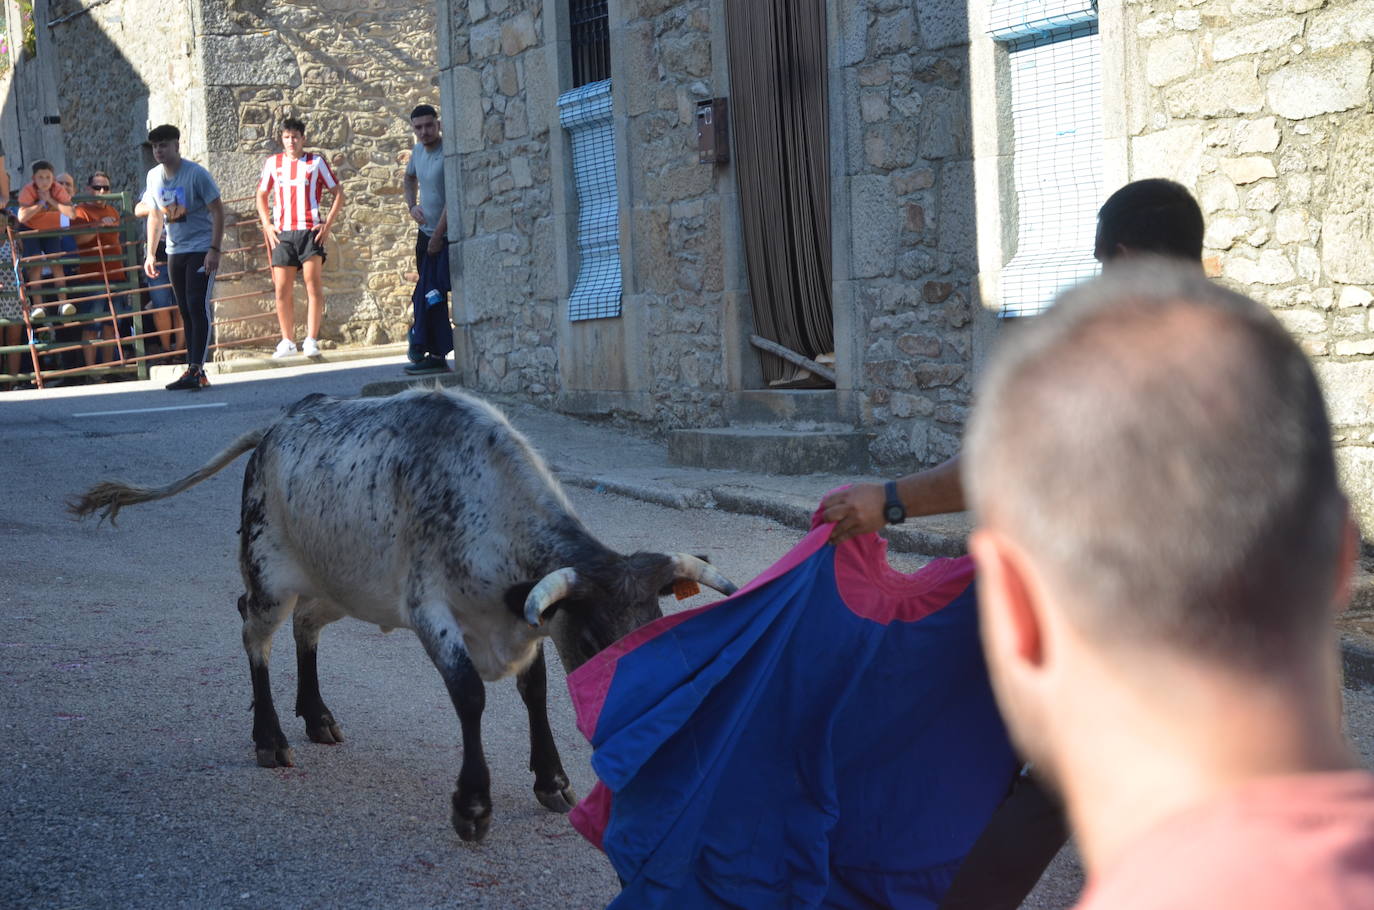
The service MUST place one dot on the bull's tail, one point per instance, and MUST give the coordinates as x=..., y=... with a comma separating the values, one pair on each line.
x=111, y=497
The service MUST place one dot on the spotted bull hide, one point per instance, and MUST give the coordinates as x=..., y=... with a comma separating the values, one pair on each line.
x=425, y=511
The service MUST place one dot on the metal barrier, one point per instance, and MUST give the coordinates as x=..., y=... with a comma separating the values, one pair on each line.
x=114, y=282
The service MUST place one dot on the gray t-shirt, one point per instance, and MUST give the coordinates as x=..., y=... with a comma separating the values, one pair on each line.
x=429, y=168
x=183, y=198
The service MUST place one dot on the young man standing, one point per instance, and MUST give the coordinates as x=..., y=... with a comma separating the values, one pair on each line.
x=185, y=198
x=1162, y=546
x=424, y=195
x=296, y=180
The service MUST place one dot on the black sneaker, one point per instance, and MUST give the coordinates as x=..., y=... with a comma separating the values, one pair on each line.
x=190, y=381
x=430, y=364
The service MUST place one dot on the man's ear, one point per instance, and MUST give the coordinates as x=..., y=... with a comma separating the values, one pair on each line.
x=1012, y=625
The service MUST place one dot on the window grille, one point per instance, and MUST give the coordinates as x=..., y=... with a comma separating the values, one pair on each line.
x=585, y=113
x=1009, y=20
x=591, y=44
x=1054, y=56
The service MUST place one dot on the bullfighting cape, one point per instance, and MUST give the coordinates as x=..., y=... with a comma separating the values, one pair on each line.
x=826, y=737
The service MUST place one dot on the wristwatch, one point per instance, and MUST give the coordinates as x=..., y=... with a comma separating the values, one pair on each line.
x=894, y=513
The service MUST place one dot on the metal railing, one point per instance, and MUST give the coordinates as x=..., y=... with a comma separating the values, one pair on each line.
x=109, y=291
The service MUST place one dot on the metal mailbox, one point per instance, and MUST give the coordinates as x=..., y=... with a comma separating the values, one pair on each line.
x=713, y=133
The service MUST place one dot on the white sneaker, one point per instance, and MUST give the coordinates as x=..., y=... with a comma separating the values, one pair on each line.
x=309, y=348
x=285, y=348
x=67, y=309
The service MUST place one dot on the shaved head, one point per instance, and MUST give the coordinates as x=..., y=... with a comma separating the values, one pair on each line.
x=1159, y=447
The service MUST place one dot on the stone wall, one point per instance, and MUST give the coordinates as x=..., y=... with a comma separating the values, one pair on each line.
x=120, y=67
x=517, y=244
x=1262, y=107
x=226, y=72
x=677, y=259
x=497, y=159
x=907, y=174
x=353, y=71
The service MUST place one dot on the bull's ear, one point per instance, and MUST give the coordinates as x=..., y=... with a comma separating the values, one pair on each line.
x=515, y=597
x=672, y=572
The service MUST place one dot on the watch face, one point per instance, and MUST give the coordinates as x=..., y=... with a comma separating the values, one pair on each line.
x=894, y=514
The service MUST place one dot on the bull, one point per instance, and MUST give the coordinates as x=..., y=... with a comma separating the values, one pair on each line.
x=428, y=511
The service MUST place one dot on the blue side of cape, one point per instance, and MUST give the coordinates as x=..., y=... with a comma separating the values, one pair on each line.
x=780, y=751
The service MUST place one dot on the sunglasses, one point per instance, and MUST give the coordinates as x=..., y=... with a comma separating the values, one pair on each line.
x=100, y=189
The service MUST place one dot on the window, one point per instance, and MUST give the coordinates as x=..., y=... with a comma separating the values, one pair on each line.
x=1054, y=59
x=591, y=45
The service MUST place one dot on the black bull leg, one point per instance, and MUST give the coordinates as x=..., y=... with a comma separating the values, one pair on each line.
x=261, y=617
x=310, y=617
x=443, y=641
x=551, y=786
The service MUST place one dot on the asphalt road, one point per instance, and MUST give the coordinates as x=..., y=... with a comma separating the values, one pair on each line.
x=128, y=772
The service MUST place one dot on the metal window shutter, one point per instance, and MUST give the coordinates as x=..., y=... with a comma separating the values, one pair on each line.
x=585, y=112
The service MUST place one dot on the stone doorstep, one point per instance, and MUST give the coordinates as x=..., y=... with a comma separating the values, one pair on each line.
x=168, y=372
x=771, y=450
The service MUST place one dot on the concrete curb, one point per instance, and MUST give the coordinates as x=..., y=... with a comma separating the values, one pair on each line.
x=168, y=372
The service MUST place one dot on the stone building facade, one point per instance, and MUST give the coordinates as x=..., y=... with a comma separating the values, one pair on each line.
x=1251, y=104
x=503, y=66
x=226, y=72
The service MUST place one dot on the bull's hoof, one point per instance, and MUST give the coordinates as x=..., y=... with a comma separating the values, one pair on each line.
x=276, y=757
x=474, y=828
x=326, y=732
x=561, y=801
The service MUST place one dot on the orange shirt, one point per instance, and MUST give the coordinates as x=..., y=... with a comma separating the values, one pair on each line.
x=49, y=218
x=1304, y=842
x=104, y=243
x=28, y=194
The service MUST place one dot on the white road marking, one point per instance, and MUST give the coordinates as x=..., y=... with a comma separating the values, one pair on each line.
x=178, y=407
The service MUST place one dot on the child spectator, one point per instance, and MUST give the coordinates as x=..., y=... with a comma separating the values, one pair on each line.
x=42, y=203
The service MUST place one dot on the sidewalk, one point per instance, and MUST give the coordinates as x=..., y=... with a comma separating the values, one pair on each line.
x=607, y=458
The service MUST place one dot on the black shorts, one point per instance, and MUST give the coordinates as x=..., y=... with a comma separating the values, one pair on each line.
x=294, y=247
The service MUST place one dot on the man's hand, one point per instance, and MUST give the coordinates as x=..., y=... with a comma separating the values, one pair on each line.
x=270, y=232
x=150, y=265
x=854, y=510
x=436, y=243
x=321, y=231
x=211, y=262
x=418, y=214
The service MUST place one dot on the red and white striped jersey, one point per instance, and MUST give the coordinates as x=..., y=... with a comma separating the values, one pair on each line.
x=299, y=184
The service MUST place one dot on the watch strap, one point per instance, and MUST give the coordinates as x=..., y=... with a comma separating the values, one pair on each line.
x=893, y=510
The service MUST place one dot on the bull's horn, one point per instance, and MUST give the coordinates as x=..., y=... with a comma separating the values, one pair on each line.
x=551, y=589
x=691, y=567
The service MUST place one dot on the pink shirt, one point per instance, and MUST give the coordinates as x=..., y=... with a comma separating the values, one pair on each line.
x=1304, y=842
